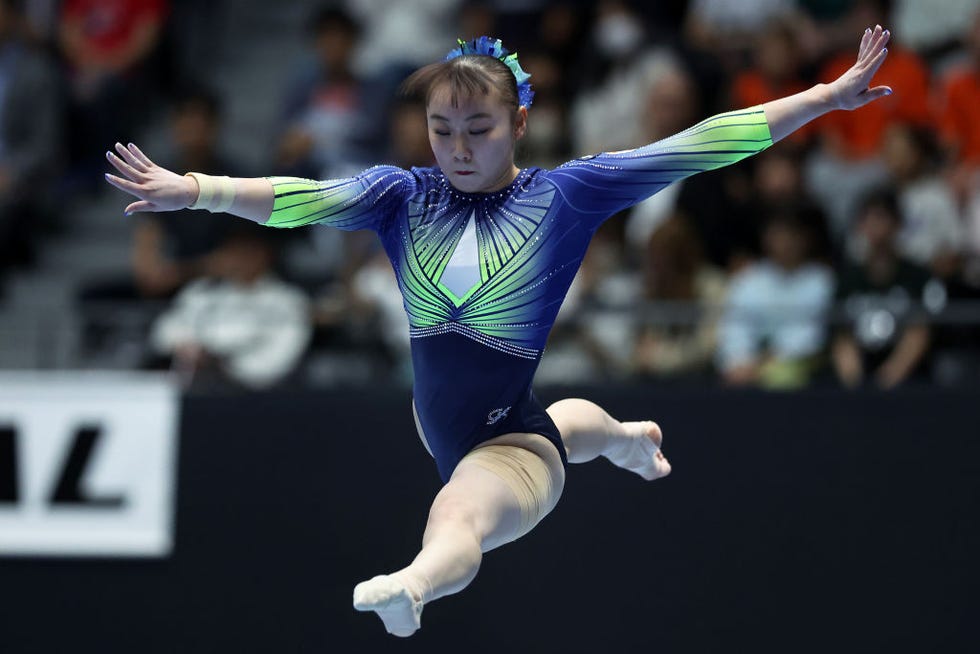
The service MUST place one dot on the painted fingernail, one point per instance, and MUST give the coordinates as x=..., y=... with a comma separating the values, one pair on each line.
x=128, y=213
x=888, y=92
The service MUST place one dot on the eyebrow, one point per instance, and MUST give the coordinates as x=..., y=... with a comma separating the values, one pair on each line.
x=482, y=114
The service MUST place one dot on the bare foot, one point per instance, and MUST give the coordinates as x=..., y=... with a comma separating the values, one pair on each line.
x=392, y=601
x=641, y=452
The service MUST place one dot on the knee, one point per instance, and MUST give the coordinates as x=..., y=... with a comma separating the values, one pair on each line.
x=570, y=413
x=458, y=514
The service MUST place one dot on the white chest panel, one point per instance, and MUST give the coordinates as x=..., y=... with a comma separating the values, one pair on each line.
x=462, y=272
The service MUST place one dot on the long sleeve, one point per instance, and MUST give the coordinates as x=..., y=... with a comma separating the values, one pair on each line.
x=603, y=184
x=364, y=201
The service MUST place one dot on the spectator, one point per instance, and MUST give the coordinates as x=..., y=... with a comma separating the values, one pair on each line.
x=772, y=331
x=607, y=114
x=109, y=47
x=676, y=275
x=730, y=29
x=30, y=120
x=672, y=105
x=848, y=165
x=775, y=73
x=932, y=232
x=886, y=335
x=241, y=325
x=328, y=123
x=547, y=145
x=168, y=251
x=932, y=28
x=959, y=127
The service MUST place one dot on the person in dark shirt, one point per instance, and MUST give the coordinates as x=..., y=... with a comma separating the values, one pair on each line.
x=886, y=333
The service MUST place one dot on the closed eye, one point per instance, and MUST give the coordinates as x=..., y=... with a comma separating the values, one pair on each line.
x=477, y=132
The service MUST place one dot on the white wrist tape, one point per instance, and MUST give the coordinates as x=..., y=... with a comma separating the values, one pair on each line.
x=217, y=194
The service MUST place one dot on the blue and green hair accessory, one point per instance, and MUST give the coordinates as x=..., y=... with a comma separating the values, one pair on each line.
x=494, y=48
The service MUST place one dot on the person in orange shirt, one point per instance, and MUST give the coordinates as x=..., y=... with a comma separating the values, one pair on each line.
x=775, y=73
x=861, y=137
x=958, y=101
x=847, y=166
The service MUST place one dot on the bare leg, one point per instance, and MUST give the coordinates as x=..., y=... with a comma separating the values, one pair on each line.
x=476, y=511
x=589, y=432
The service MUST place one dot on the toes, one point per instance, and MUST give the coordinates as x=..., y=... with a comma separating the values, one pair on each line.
x=653, y=431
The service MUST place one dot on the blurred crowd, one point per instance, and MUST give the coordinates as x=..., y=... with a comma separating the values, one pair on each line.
x=847, y=254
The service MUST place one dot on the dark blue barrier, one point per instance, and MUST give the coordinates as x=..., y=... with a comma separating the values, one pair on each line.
x=803, y=522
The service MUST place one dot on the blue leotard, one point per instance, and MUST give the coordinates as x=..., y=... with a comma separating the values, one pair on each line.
x=482, y=275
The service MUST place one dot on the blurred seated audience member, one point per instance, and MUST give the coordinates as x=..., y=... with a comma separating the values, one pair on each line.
x=109, y=47
x=548, y=144
x=241, y=326
x=690, y=293
x=885, y=335
x=959, y=98
x=561, y=30
x=730, y=29
x=173, y=248
x=777, y=180
x=327, y=122
x=408, y=135
x=476, y=18
x=932, y=230
x=932, y=28
x=672, y=105
x=848, y=164
x=30, y=136
x=593, y=335
x=775, y=73
x=772, y=332
x=607, y=112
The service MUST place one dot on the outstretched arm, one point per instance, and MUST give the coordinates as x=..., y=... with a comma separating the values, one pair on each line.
x=359, y=202
x=159, y=189
x=850, y=91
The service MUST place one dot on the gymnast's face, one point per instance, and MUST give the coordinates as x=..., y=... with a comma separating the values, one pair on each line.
x=473, y=142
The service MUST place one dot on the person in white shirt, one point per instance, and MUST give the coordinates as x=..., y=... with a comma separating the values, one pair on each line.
x=239, y=323
x=772, y=328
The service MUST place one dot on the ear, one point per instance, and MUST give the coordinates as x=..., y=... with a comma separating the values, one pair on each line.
x=520, y=123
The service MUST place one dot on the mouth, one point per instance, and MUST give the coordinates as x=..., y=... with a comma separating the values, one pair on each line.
x=463, y=172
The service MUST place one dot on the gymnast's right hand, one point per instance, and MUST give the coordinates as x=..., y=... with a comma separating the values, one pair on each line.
x=157, y=188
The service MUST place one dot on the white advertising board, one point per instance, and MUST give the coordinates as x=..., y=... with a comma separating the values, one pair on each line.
x=87, y=464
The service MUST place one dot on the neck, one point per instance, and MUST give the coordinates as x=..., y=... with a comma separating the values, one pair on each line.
x=504, y=181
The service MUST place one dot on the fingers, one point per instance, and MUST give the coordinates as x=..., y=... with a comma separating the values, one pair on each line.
x=123, y=184
x=130, y=158
x=141, y=205
x=876, y=63
x=865, y=40
x=123, y=167
x=872, y=42
x=145, y=160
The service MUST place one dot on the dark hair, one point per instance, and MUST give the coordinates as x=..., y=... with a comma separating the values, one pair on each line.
x=467, y=75
x=329, y=17
x=196, y=96
x=881, y=198
x=805, y=218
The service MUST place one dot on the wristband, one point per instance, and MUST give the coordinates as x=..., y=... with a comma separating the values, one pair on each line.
x=217, y=193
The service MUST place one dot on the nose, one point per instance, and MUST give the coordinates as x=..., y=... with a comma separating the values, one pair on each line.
x=461, y=150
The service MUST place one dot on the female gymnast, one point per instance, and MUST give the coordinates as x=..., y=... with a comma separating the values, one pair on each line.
x=484, y=253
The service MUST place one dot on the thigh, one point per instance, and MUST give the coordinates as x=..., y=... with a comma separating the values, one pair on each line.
x=506, y=486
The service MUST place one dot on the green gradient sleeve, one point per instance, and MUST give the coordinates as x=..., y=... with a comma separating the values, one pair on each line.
x=609, y=182
x=364, y=201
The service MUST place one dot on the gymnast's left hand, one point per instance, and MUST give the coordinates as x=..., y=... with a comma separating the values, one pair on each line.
x=851, y=90
x=157, y=188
